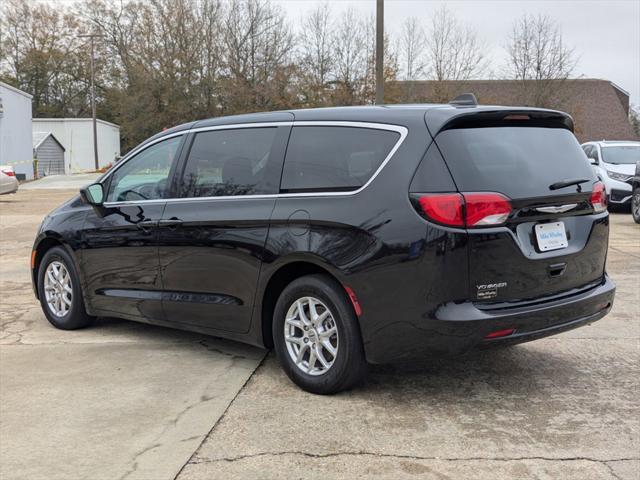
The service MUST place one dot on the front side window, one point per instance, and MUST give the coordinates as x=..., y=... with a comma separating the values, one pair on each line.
x=331, y=158
x=145, y=175
x=231, y=163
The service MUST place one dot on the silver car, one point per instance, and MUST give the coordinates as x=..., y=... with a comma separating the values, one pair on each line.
x=8, y=180
x=614, y=163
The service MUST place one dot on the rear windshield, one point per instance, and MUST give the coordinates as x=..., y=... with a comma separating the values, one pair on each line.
x=519, y=162
x=623, y=154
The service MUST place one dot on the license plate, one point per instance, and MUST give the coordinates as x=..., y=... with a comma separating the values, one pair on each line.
x=551, y=236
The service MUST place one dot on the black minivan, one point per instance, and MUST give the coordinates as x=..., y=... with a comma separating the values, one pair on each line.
x=340, y=236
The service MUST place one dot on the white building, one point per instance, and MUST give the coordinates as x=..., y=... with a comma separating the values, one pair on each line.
x=76, y=136
x=15, y=130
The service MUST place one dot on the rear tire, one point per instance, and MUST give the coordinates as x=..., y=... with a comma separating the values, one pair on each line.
x=60, y=292
x=635, y=205
x=327, y=327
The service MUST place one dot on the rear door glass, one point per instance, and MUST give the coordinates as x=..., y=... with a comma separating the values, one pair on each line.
x=331, y=158
x=231, y=162
x=520, y=162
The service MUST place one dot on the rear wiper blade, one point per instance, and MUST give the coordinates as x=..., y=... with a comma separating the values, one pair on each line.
x=568, y=183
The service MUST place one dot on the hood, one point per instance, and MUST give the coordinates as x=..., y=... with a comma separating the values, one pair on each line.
x=628, y=169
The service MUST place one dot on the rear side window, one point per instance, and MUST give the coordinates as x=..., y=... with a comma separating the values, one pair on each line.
x=230, y=163
x=519, y=162
x=334, y=158
x=432, y=175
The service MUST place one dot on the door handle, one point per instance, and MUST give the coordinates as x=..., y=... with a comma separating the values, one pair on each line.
x=557, y=269
x=147, y=225
x=171, y=223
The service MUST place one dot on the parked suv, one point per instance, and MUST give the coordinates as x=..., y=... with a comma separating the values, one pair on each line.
x=341, y=236
x=614, y=163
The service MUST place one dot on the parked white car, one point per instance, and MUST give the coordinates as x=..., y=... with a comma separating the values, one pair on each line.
x=8, y=180
x=614, y=163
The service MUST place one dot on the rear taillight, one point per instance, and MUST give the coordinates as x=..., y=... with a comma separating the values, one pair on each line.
x=598, y=197
x=466, y=209
x=445, y=208
x=486, y=209
x=9, y=173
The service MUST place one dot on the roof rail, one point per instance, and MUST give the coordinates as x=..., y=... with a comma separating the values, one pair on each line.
x=465, y=100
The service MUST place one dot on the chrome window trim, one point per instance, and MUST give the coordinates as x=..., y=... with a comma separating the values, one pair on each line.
x=403, y=131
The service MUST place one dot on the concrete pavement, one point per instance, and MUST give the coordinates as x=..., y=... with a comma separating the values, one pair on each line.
x=565, y=407
x=61, y=182
x=126, y=400
x=118, y=400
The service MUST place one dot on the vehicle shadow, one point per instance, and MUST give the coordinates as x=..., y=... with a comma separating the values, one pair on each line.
x=519, y=370
x=516, y=372
x=119, y=329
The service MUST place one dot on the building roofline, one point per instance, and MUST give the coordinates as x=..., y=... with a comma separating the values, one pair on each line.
x=615, y=85
x=75, y=120
x=48, y=134
x=16, y=90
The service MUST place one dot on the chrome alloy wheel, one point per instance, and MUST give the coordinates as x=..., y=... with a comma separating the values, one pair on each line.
x=58, y=290
x=311, y=336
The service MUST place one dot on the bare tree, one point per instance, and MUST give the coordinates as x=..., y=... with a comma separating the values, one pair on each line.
x=316, y=59
x=349, y=45
x=539, y=58
x=42, y=55
x=412, y=45
x=454, y=51
x=258, y=44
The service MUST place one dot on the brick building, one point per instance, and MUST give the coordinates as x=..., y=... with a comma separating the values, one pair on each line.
x=599, y=108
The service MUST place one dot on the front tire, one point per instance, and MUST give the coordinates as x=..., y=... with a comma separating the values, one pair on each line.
x=317, y=336
x=60, y=291
x=635, y=205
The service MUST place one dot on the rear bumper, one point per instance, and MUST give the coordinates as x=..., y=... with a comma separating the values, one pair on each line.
x=9, y=187
x=620, y=196
x=457, y=328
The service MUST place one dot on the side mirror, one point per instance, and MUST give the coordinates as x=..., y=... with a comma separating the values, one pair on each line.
x=593, y=161
x=93, y=194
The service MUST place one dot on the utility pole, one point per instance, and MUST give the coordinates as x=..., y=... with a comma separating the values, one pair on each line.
x=92, y=36
x=379, y=52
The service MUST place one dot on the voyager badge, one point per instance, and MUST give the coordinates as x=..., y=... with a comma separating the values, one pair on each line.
x=489, y=290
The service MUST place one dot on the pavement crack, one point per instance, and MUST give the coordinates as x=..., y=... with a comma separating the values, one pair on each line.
x=411, y=457
x=134, y=467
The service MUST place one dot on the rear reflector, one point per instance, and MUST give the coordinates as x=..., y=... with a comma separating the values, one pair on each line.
x=598, y=197
x=354, y=300
x=500, y=333
x=466, y=209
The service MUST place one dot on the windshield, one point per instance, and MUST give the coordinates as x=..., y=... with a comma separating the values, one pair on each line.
x=622, y=154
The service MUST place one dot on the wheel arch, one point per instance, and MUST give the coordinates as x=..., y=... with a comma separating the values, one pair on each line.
x=45, y=242
x=282, y=276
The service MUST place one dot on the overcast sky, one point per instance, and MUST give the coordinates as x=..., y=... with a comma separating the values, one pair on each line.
x=604, y=33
